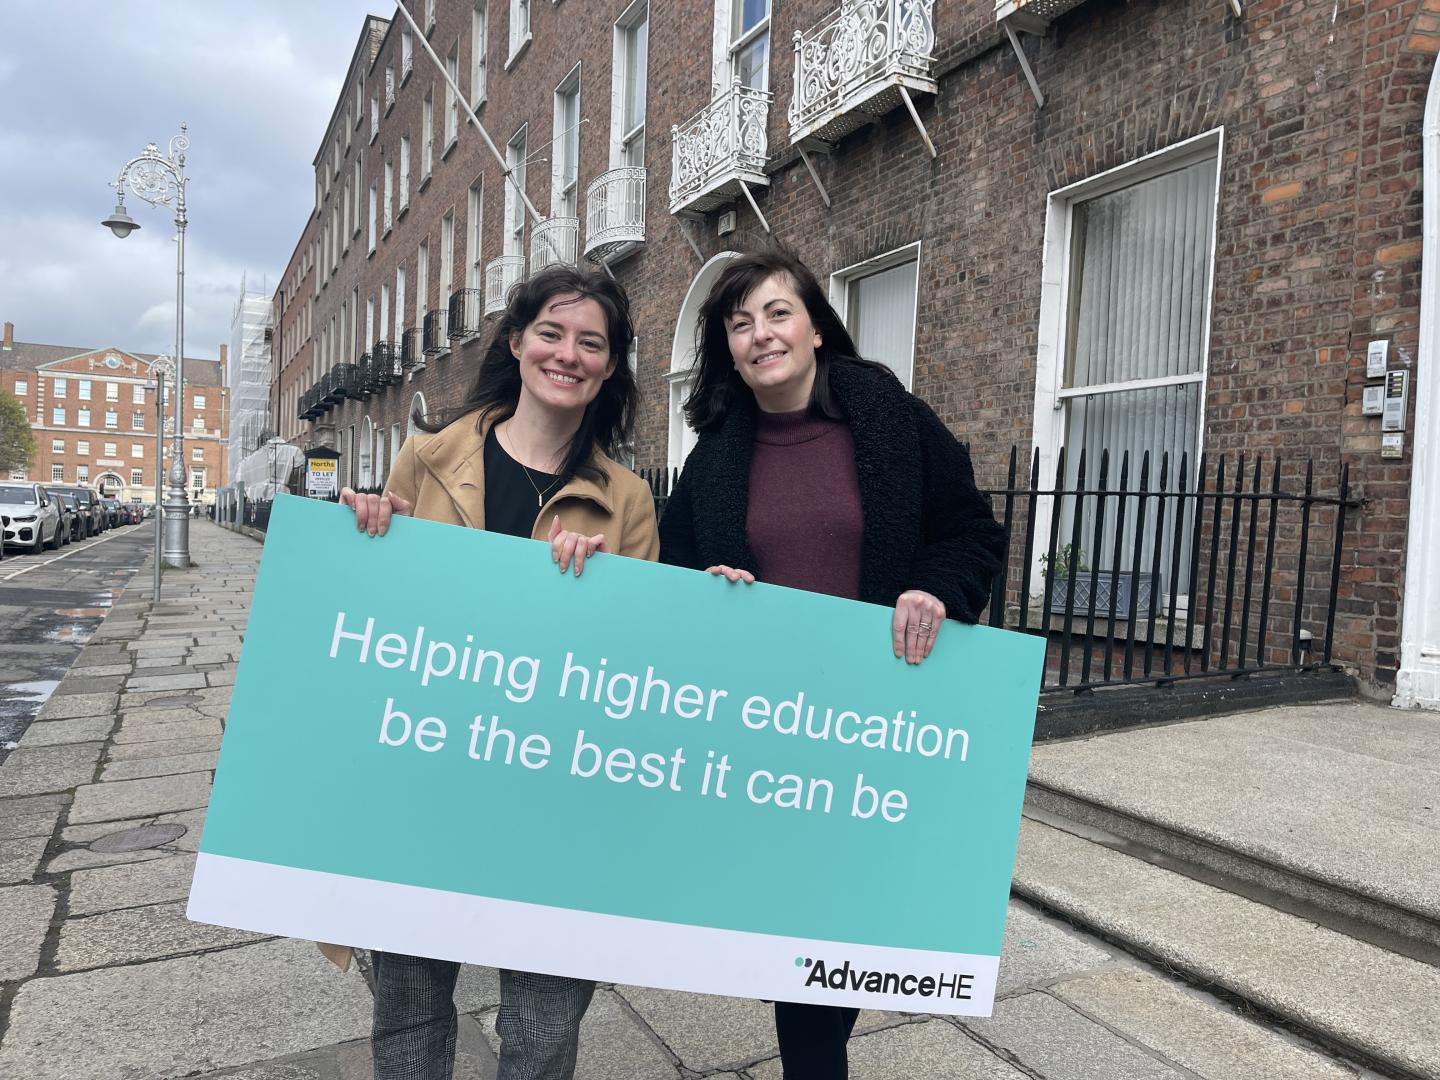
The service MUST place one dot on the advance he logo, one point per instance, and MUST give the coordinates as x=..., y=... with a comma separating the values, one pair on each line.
x=907, y=984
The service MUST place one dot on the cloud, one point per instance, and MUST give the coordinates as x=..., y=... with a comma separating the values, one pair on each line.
x=255, y=82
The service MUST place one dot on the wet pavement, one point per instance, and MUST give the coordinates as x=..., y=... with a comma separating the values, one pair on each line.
x=50, y=604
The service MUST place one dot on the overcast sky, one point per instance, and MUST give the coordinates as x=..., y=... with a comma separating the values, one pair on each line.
x=85, y=85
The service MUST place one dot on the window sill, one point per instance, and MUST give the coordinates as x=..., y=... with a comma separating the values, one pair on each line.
x=370, y=254
x=424, y=183
x=405, y=75
x=449, y=147
x=374, y=135
x=383, y=236
x=518, y=51
x=400, y=214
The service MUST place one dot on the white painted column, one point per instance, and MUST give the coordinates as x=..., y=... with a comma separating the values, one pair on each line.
x=1418, y=682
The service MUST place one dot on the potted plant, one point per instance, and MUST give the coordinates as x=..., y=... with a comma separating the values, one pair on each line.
x=1069, y=562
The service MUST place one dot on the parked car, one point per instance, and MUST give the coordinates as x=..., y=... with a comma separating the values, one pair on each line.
x=31, y=515
x=90, y=507
x=112, y=510
x=71, y=528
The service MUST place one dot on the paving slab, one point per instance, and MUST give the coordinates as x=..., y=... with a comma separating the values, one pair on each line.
x=176, y=1017
x=1390, y=1007
x=142, y=683
x=477, y=988
x=67, y=706
x=131, y=885
x=1372, y=763
x=1058, y=1043
x=165, y=715
x=138, y=934
x=20, y=858
x=97, y=671
x=47, y=769
x=85, y=859
x=1204, y=1036
x=210, y=654
x=73, y=684
x=1038, y=951
x=152, y=666
x=613, y=1045
x=25, y=913
x=706, y=1032
x=139, y=768
x=142, y=731
x=929, y=1050
x=36, y=815
x=60, y=732
x=162, y=748
x=136, y=798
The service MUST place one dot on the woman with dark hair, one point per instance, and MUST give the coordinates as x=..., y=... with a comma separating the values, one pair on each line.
x=816, y=470
x=527, y=454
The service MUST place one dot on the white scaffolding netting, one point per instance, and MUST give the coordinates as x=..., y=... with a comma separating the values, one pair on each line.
x=267, y=471
x=248, y=376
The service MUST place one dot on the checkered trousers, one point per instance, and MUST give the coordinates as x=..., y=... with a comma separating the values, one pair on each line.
x=415, y=1023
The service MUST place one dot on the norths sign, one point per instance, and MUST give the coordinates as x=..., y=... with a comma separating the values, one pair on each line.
x=438, y=745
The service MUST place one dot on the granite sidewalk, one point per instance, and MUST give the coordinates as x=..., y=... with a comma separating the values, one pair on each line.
x=101, y=975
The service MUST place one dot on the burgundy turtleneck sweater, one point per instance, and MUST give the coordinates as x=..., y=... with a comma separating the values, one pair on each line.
x=804, y=521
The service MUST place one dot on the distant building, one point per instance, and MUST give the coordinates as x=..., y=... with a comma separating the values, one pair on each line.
x=248, y=377
x=93, y=414
x=292, y=309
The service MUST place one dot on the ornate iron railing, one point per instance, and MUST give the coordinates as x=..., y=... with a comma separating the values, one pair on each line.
x=347, y=381
x=614, y=212
x=502, y=275
x=849, y=67
x=465, y=317
x=365, y=383
x=389, y=89
x=434, y=335
x=386, y=358
x=554, y=240
x=334, y=393
x=721, y=145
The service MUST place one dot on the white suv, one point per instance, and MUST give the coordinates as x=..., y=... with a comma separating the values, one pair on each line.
x=29, y=516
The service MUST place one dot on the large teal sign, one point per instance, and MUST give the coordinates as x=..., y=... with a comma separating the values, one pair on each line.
x=439, y=744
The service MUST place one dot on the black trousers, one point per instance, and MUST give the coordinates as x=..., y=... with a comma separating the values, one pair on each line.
x=812, y=1040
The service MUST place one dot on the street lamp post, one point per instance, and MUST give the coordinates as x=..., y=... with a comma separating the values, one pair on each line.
x=159, y=179
x=160, y=368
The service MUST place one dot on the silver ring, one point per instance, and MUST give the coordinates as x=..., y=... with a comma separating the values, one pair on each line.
x=924, y=626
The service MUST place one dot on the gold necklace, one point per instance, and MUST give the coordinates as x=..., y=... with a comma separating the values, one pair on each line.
x=539, y=492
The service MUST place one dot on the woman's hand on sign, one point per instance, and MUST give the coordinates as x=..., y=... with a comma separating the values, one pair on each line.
x=918, y=616
x=373, y=512
x=567, y=547
x=732, y=574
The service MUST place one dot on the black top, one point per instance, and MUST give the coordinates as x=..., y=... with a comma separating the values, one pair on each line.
x=511, y=498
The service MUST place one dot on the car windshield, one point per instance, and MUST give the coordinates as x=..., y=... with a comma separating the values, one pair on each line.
x=16, y=493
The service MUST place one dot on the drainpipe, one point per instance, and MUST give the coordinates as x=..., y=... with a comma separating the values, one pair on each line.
x=1417, y=685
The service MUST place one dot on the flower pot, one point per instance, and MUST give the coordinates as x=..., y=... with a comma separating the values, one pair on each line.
x=1104, y=584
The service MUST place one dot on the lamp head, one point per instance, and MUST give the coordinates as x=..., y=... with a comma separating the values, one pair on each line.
x=120, y=223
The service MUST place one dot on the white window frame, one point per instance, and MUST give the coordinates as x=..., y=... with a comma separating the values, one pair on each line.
x=137, y=421
x=565, y=199
x=112, y=391
x=427, y=138
x=199, y=401
x=57, y=446
x=58, y=388
x=516, y=150
x=404, y=173
x=389, y=197
x=447, y=259
x=137, y=478
x=519, y=30
x=136, y=450
x=57, y=474
x=370, y=235
x=83, y=390
x=474, y=234
x=842, y=280
x=622, y=140
x=383, y=334
x=726, y=45
x=137, y=394
x=1048, y=423
x=452, y=101
x=82, y=417
x=400, y=275
x=82, y=447
x=197, y=453
x=407, y=54
x=22, y=387
x=479, y=52
x=112, y=450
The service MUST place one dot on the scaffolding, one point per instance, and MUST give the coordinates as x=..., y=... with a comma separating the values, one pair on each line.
x=248, y=376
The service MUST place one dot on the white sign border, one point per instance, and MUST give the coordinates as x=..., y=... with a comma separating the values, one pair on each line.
x=310, y=904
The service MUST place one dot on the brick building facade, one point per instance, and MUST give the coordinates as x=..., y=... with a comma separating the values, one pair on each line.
x=93, y=415
x=1246, y=189
x=293, y=313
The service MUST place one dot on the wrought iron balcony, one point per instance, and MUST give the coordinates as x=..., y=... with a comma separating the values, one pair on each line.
x=554, y=240
x=347, y=381
x=465, y=318
x=851, y=67
x=615, y=213
x=501, y=275
x=389, y=89
x=434, y=337
x=310, y=402
x=333, y=392
x=385, y=357
x=719, y=149
x=365, y=383
x=412, y=349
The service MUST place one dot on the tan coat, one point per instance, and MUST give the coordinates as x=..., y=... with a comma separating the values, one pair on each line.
x=442, y=476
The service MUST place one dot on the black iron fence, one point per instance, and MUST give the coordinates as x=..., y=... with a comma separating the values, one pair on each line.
x=1142, y=575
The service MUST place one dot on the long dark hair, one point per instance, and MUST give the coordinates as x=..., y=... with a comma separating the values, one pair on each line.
x=718, y=386
x=609, y=418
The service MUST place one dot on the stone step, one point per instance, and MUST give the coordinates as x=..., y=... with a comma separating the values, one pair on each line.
x=1325, y=811
x=1366, y=1001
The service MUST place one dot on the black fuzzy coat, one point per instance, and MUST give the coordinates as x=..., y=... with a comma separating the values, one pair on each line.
x=925, y=524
